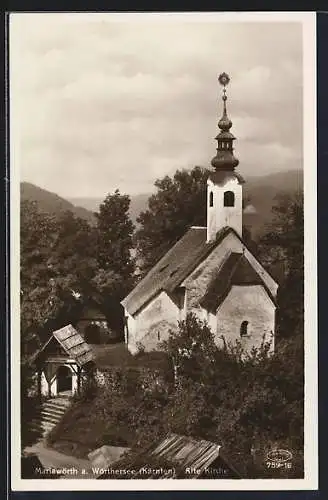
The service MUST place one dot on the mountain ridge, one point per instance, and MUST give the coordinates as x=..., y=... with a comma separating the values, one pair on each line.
x=259, y=191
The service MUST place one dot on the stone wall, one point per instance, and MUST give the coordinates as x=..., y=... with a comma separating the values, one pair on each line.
x=246, y=303
x=151, y=325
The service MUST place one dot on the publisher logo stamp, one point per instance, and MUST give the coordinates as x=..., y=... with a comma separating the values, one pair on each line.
x=278, y=459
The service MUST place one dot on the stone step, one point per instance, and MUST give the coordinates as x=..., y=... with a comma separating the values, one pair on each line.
x=42, y=427
x=35, y=427
x=40, y=423
x=47, y=426
x=59, y=399
x=65, y=403
x=54, y=406
x=50, y=418
x=53, y=409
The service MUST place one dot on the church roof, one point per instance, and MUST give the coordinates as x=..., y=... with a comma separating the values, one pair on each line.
x=173, y=267
x=236, y=270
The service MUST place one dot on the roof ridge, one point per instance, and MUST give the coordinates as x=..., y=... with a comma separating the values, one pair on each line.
x=183, y=257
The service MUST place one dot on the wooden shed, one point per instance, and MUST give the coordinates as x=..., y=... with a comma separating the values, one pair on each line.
x=63, y=362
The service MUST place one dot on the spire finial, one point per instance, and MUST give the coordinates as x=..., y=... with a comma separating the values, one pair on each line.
x=224, y=80
x=224, y=159
x=224, y=123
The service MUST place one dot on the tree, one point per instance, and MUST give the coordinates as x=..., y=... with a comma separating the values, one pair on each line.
x=111, y=289
x=72, y=259
x=191, y=349
x=115, y=275
x=57, y=265
x=284, y=244
x=179, y=203
x=115, y=231
x=38, y=235
x=284, y=237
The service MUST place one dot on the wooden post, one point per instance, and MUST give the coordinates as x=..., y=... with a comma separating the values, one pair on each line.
x=39, y=368
x=79, y=370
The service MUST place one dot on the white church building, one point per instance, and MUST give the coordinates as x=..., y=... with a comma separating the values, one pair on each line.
x=209, y=271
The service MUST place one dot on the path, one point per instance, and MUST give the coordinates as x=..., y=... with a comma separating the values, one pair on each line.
x=67, y=467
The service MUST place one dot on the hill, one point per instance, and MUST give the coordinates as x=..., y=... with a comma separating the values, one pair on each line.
x=260, y=191
x=52, y=203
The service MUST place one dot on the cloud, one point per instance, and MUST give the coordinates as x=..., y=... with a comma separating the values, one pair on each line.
x=103, y=104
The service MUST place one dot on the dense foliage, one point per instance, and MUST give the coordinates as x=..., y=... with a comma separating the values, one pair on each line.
x=63, y=266
x=115, y=231
x=283, y=244
x=65, y=262
x=178, y=203
x=250, y=404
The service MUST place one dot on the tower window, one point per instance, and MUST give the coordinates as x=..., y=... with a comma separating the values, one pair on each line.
x=229, y=199
x=211, y=199
x=244, y=329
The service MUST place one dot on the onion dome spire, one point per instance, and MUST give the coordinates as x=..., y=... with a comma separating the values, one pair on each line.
x=224, y=159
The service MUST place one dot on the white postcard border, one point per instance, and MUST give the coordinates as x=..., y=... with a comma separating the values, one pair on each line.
x=310, y=481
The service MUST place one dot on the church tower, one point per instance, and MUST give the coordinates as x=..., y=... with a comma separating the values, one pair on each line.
x=224, y=185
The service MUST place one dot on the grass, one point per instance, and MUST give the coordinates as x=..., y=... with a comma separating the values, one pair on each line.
x=117, y=355
x=79, y=433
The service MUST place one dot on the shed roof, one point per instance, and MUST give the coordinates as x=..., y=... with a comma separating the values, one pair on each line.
x=235, y=270
x=73, y=344
x=174, y=457
x=173, y=267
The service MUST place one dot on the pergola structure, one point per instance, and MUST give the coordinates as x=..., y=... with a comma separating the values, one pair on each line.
x=63, y=362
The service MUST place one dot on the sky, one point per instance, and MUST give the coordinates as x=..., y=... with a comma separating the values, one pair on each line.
x=100, y=102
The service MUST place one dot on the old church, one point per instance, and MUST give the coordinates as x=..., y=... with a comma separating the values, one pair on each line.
x=209, y=271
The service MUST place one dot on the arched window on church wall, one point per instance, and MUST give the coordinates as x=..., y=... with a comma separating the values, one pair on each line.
x=244, y=329
x=229, y=199
x=211, y=199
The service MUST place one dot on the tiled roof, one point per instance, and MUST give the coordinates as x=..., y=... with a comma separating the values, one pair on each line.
x=236, y=270
x=174, y=457
x=173, y=267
